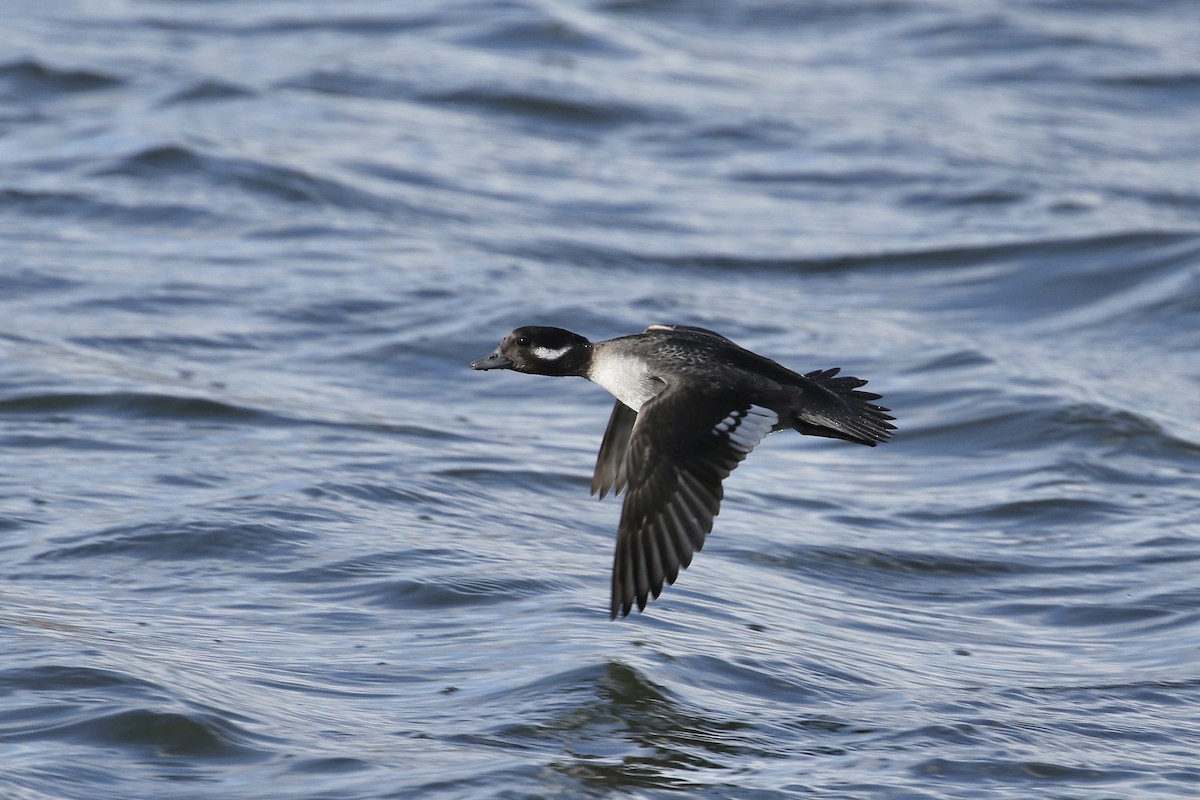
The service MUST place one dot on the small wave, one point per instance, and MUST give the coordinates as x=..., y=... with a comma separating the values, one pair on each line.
x=850, y=175
x=51, y=204
x=981, y=422
x=959, y=198
x=18, y=282
x=160, y=733
x=1083, y=615
x=1002, y=771
x=350, y=84
x=1000, y=33
x=368, y=566
x=540, y=31
x=556, y=107
x=1045, y=511
x=184, y=346
x=53, y=677
x=952, y=360
x=29, y=78
x=443, y=591
x=14, y=522
x=237, y=542
x=356, y=24
x=1127, y=430
x=868, y=565
x=734, y=19
x=131, y=404
x=336, y=311
x=374, y=493
x=256, y=177
x=329, y=765
x=1173, y=81
x=1114, y=248
x=206, y=92
x=273, y=25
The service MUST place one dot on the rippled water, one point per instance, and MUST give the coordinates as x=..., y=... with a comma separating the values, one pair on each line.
x=263, y=534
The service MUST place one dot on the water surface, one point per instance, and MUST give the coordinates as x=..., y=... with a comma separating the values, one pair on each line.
x=263, y=534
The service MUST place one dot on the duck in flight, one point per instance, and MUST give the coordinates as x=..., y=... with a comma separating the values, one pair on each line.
x=690, y=406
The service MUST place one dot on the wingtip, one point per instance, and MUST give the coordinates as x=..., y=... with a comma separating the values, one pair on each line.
x=601, y=492
x=621, y=607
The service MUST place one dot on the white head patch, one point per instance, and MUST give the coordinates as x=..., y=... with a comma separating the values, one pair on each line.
x=548, y=354
x=746, y=429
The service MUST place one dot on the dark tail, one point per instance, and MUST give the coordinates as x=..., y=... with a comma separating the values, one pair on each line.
x=834, y=407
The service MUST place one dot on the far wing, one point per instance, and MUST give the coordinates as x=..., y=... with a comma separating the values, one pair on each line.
x=610, y=463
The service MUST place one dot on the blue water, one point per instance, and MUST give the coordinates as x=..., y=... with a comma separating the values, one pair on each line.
x=263, y=534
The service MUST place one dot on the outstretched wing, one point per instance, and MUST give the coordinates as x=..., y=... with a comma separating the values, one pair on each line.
x=684, y=443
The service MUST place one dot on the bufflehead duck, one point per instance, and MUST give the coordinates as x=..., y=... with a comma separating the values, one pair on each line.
x=690, y=406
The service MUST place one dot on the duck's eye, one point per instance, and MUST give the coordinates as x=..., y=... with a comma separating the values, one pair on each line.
x=523, y=341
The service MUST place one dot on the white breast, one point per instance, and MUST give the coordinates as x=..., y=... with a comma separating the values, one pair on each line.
x=625, y=378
